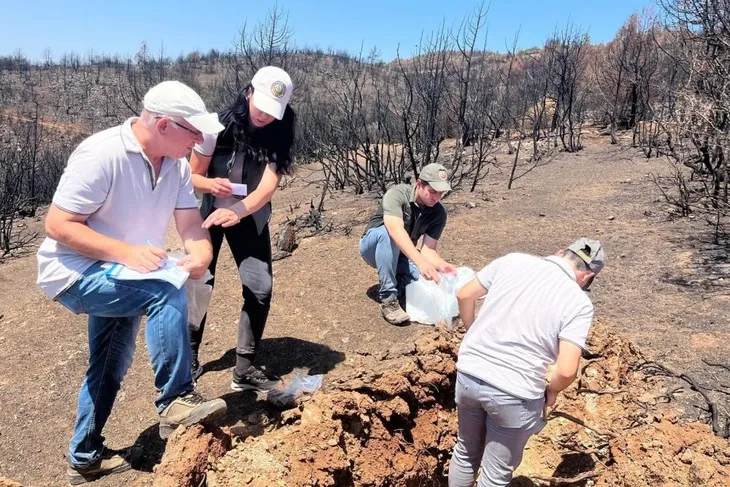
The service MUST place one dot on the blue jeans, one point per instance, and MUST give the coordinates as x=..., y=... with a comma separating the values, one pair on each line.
x=115, y=309
x=494, y=427
x=381, y=252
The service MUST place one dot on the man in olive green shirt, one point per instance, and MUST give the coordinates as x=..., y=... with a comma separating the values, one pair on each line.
x=407, y=213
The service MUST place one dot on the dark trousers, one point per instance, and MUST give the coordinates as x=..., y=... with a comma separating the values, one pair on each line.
x=252, y=253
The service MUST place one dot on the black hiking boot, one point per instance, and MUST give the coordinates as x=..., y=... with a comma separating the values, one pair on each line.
x=255, y=379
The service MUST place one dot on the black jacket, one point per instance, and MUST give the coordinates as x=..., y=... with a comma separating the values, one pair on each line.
x=255, y=148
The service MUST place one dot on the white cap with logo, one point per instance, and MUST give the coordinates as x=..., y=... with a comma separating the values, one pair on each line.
x=272, y=88
x=176, y=99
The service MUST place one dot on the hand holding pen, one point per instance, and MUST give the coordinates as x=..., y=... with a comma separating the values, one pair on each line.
x=164, y=254
x=144, y=258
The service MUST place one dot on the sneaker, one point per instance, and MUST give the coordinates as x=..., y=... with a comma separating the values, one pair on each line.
x=189, y=409
x=196, y=370
x=256, y=379
x=110, y=462
x=392, y=311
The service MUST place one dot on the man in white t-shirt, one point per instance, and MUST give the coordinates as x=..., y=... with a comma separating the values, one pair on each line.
x=113, y=204
x=535, y=313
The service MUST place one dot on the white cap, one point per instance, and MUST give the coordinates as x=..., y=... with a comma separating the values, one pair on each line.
x=272, y=88
x=176, y=99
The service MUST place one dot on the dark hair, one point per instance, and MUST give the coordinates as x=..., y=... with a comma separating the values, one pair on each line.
x=278, y=136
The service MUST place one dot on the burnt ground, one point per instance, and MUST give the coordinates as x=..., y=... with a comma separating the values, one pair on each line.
x=664, y=290
x=388, y=419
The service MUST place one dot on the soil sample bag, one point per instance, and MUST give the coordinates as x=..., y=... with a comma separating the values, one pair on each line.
x=199, y=294
x=433, y=304
x=288, y=395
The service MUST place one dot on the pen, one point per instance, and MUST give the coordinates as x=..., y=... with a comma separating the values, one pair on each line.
x=164, y=262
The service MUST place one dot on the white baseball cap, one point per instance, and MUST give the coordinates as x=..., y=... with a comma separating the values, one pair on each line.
x=272, y=88
x=176, y=99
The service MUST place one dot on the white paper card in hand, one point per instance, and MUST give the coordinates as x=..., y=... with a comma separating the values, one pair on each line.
x=239, y=189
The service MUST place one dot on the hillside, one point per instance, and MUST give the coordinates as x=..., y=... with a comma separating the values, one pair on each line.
x=662, y=297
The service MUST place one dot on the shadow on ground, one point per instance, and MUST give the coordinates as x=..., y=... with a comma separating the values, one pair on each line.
x=522, y=482
x=283, y=355
x=280, y=356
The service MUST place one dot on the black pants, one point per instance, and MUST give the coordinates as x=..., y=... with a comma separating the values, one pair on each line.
x=252, y=253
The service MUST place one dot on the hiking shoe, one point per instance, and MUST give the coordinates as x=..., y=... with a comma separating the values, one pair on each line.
x=392, y=311
x=255, y=379
x=189, y=409
x=196, y=370
x=110, y=462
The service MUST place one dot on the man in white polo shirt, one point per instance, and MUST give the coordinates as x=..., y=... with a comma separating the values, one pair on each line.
x=115, y=199
x=535, y=313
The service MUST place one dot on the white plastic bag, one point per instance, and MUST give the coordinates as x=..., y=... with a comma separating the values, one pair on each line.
x=199, y=294
x=430, y=303
x=288, y=395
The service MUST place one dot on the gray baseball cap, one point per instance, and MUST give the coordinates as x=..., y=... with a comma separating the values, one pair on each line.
x=591, y=251
x=436, y=176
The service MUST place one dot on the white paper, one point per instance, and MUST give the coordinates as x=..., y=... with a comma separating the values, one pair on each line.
x=169, y=272
x=239, y=189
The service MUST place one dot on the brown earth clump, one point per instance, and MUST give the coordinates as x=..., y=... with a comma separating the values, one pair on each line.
x=189, y=454
x=630, y=434
x=380, y=422
x=389, y=420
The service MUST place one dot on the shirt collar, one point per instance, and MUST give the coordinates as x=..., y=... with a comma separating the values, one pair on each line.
x=565, y=266
x=131, y=144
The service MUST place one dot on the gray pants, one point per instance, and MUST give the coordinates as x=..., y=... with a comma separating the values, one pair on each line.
x=493, y=429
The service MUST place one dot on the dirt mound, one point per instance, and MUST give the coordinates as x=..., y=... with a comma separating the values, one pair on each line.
x=189, y=454
x=381, y=422
x=385, y=419
x=389, y=420
x=617, y=427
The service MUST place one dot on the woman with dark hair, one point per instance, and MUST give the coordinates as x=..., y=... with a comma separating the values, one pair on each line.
x=238, y=172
